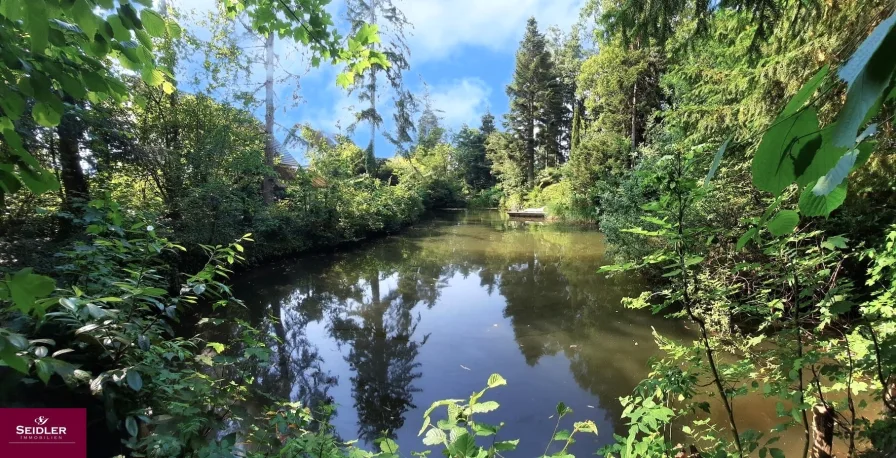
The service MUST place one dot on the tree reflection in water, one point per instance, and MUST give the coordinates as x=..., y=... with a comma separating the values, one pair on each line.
x=370, y=302
x=383, y=357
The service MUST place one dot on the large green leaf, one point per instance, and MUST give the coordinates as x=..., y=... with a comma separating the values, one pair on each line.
x=868, y=74
x=862, y=56
x=46, y=115
x=836, y=175
x=153, y=23
x=814, y=205
x=82, y=14
x=10, y=358
x=816, y=155
x=463, y=446
x=783, y=223
x=26, y=287
x=487, y=406
x=38, y=25
x=12, y=103
x=773, y=164
x=434, y=436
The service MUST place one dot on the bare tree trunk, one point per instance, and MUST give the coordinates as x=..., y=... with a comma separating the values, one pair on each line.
x=370, y=166
x=635, y=133
x=822, y=431
x=267, y=186
x=530, y=146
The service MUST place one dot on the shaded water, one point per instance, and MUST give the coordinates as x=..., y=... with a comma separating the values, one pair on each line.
x=386, y=329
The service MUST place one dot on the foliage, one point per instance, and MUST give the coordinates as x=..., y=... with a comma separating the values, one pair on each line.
x=809, y=340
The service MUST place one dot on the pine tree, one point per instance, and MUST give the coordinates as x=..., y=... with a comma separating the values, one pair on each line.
x=533, y=99
x=392, y=23
x=488, y=124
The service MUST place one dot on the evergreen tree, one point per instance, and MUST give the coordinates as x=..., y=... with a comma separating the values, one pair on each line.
x=488, y=124
x=533, y=101
x=475, y=167
x=429, y=129
x=392, y=23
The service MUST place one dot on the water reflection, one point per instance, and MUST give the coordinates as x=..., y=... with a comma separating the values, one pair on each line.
x=431, y=313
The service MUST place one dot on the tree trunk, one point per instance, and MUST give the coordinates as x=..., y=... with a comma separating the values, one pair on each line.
x=370, y=166
x=74, y=182
x=822, y=431
x=636, y=128
x=530, y=146
x=267, y=186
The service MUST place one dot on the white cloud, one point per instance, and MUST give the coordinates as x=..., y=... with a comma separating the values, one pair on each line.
x=442, y=26
x=461, y=101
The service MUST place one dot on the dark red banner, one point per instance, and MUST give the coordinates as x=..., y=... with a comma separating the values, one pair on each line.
x=43, y=433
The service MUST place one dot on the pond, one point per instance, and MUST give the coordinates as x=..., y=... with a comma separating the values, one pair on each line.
x=385, y=329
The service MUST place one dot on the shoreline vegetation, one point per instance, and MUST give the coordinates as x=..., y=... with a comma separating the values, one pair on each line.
x=740, y=152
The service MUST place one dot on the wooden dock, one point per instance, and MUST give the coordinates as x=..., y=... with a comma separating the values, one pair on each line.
x=527, y=213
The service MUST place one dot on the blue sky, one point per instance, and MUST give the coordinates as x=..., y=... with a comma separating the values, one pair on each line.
x=463, y=50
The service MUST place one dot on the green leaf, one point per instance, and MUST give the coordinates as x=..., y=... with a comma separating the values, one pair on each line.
x=487, y=406
x=18, y=341
x=153, y=23
x=135, y=381
x=82, y=14
x=345, y=79
x=174, y=30
x=131, y=425
x=38, y=23
x=867, y=73
x=484, y=429
x=837, y=241
x=152, y=77
x=773, y=164
x=586, y=426
x=716, y=160
x=11, y=359
x=66, y=26
x=505, y=446
x=217, y=346
x=816, y=155
x=776, y=453
x=746, y=238
x=852, y=70
x=25, y=288
x=800, y=98
x=562, y=435
x=46, y=115
x=813, y=205
x=434, y=436
x=367, y=34
x=784, y=223
x=563, y=409
x=44, y=370
x=442, y=402
x=463, y=446
x=836, y=175
x=495, y=380
x=388, y=446
x=13, y=105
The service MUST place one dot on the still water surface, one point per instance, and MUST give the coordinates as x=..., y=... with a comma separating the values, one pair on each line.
x=386, y=329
